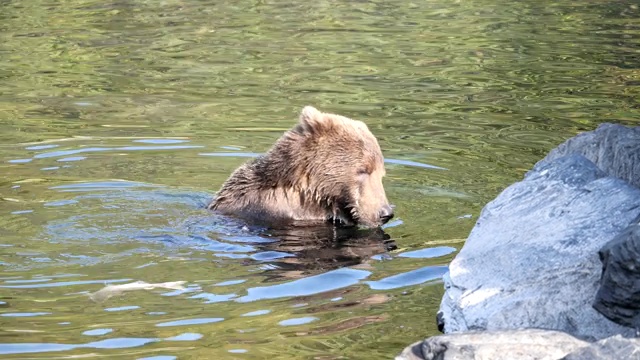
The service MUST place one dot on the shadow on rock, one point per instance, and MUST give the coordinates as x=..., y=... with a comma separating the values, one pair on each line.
x=618, y=297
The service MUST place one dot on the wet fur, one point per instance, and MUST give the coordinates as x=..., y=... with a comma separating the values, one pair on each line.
x=328, y=167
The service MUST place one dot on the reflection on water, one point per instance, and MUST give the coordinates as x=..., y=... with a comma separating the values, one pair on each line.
x=119, y=121
x=154, y=225
x=324, y=248
x=114, y=343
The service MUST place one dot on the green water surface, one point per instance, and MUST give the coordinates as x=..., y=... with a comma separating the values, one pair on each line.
x=119, y=120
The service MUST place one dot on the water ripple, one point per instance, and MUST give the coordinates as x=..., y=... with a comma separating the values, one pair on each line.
x=97, y=332
x=331, y=280
x=297, y=321
x=186, y=337
x=213, y=298
x=25, y=314
x=428, y=252
x=101, y=185
x=161, y=141
x=184, y=322
x=63, y=283
x=63, y=153
x=122, y=308
x=257, y=313
x=414, y=277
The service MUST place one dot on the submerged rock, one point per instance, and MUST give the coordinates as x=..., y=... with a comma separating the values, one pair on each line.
x=113, y=290
x=619, y=295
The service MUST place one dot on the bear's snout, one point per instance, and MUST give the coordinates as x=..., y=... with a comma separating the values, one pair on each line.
x=386, y=213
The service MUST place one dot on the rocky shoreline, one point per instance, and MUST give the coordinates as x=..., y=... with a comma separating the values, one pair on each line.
x=551, y=269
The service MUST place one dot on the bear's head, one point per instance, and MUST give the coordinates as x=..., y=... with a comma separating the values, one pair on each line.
x=334, y=164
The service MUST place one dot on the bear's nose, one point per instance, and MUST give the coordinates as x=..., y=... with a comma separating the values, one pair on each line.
x=386, y=213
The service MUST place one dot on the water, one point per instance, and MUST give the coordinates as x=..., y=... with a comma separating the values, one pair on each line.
x=119, y=121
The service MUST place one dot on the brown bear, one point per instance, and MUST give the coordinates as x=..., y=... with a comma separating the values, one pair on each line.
x=327, y=168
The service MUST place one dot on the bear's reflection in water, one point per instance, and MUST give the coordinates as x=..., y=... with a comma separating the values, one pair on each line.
x=319, y=249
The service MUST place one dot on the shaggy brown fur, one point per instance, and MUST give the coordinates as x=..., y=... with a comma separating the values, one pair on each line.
x=328, y=167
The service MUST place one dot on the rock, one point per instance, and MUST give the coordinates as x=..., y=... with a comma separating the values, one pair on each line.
x=619, y=295
x=113, y=290
x=523, y=344
x=615, y=149
x=527, y=344
x=615, y=347
x=531, y=261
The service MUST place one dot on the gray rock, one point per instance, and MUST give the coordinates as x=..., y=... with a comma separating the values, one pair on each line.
x=527, y=344
x=615, y=149
x=523, y=344
x=619, y=295
x=531, y=261
x=613, y=348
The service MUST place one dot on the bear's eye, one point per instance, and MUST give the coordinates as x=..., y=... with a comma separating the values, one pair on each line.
x=362, y=175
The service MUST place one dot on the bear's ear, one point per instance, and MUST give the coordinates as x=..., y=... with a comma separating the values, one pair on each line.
x=311, y=119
